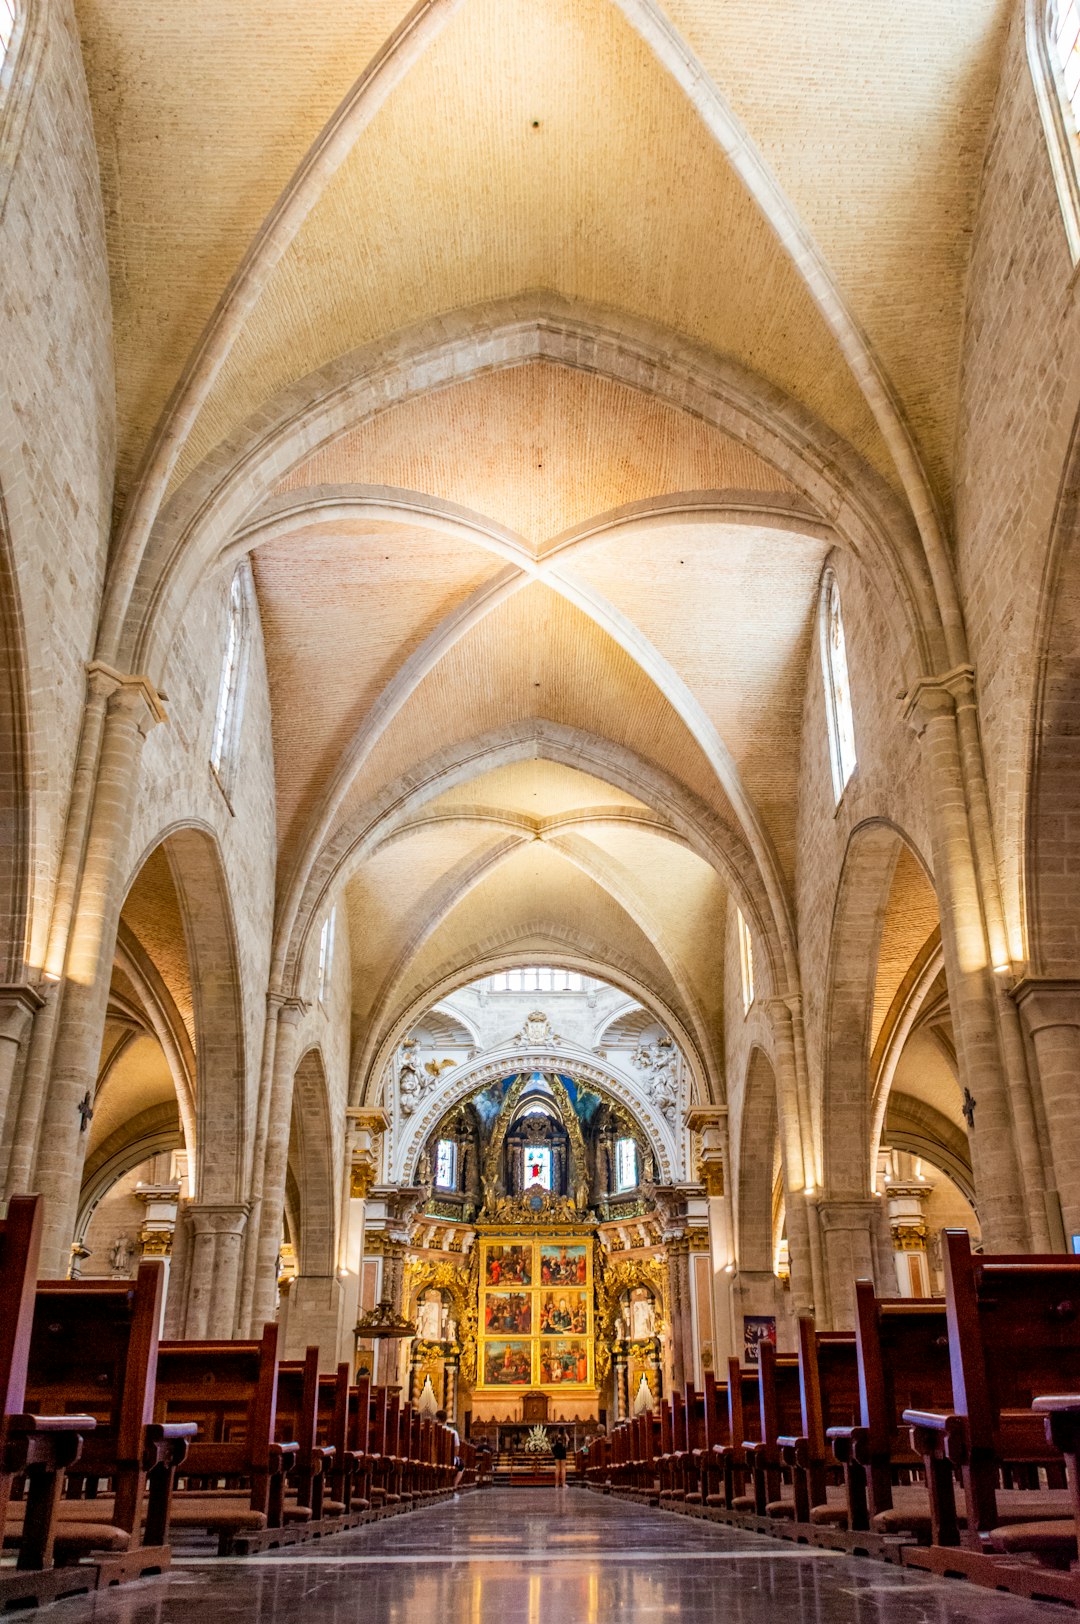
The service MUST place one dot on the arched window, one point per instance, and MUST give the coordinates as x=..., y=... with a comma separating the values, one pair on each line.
x=746, y=962
x=446, y=1165
x=626, y=1168
x=1053, y=41
x=7, y=28
x=837, y=687
x=231, y=685
x=326, y=952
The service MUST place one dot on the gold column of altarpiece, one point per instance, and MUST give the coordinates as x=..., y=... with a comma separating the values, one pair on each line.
x=537, y=1313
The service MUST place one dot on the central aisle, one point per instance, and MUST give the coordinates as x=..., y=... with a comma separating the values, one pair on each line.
x=537, y=1556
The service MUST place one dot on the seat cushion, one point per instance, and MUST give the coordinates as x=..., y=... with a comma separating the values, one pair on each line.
x=216, y=1513
x=1056, y=1539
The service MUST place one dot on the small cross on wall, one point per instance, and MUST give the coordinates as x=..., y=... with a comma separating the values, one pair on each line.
x=86, y=1112
x=968, y=1108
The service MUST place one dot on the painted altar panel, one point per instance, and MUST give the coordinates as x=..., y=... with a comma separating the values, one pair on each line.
x=537, y=1313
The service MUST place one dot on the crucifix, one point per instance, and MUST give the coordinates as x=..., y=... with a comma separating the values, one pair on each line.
x=86, y=1111
x=968, y=1108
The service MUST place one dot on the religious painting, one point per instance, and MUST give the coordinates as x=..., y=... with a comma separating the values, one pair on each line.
x=508, y=1313
x=563, y=1266
x=757, y=1328
x=508, y=1364
x=509, y=1266
x=564, y=1363
x=563, y=1313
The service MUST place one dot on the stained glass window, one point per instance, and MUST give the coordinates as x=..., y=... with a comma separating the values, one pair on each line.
x=837, y=687
x=626, y=1173
x=746, y=961
x=538, y=1166
x=446, y=1165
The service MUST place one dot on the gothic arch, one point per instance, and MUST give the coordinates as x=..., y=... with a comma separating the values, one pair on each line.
x=855, y=939
x=311, y=1159
x=1051, y=840
x=758, y=1140
x=16, y=832
x=209, y=930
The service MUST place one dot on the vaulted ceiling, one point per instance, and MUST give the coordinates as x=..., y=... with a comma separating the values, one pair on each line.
x=538, y=637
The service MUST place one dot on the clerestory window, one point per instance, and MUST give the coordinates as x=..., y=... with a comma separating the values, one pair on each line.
x=7, y=28
x=1053, y=40
x=538, y=1166
x=746, y=962
x=230, y=703
x=841, y=724
x=326, y=952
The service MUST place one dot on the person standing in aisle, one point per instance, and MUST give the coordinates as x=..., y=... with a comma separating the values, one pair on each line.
x=558, y=1451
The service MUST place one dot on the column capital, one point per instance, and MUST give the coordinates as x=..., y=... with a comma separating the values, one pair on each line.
x=1047, y=1001
x=18, y=1004
x=848, y=1212
x=291, y=1011
x=370, y=1119
x=212, y=1218
x=131, y=691
x=936, y=696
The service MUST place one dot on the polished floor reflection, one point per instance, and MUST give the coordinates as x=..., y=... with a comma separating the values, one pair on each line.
x=535, y=1556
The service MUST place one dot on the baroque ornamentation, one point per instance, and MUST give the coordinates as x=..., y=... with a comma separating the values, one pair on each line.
x=536, y=1031
x=614, y=1280
x=660, y=1062
x=461, y=1284
x=535, y=1208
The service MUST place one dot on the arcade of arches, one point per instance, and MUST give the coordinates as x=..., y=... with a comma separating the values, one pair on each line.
x=538, y=709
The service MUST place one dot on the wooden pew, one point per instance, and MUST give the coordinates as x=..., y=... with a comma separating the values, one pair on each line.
x=297, y=1418
x=902, y=1350
x=744, y=1431
x=716, y=1438
x=33, y=1448
x=780, y=1411
x=332, y=1433
x=1014, y=1336
x=828, y=1398
x=229, y=1389
x=94, y=1349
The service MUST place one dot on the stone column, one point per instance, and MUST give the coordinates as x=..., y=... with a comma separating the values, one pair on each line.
x=18, y=1007
x=807, y=1284
x=1050, y=1011
x=1003, y=1137
x=682, y=1351
x=158, y=1227
x=133, y=707
x=363, y=1138
x=848, y=1230
x=275, y=1165
x=909, y=1231
x=213, y=1274
x=620, y=1385
x=710, y=1123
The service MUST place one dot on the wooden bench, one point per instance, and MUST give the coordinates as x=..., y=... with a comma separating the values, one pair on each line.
x=235, y=1469
x=332, y=1433
x=902, y=1351
x=297, y=1418
x=828, y=1399
x=1014, y=1337
x=35, y=1449
x=743, y=1431
x=93, y=1350
x=780, y=1413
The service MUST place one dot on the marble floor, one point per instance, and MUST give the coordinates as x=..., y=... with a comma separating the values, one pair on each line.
x=537, y=1556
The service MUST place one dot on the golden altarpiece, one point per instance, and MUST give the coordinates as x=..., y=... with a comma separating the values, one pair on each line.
x=547, y=1272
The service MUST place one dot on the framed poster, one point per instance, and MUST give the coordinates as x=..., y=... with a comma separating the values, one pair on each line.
x=537, y=1316
x=757, y=1328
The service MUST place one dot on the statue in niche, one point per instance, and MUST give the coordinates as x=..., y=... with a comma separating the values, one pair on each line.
x=431, y=1317
x=410, y=1083
x=121, y=1252
x=642, y=1315
x=661, y=1061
